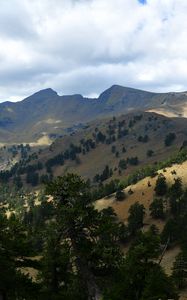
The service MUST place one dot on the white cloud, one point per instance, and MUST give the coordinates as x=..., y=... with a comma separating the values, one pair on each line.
x=84, y=46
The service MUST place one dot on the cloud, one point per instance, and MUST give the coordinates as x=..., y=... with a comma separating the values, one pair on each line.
x=84, y=46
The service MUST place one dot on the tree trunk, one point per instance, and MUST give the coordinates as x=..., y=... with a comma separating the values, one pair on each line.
x=86, y=276
x=87, y=279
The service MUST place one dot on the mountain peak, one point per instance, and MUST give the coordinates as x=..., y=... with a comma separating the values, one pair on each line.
x=117, y=92
x=42, y=94
x=114, y=89
x=48, y=90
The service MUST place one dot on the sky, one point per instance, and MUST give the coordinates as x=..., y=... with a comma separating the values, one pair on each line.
x=85, y=46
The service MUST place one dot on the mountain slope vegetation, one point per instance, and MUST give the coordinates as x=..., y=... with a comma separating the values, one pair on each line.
x=144, y=193
x=104, y=150
x=120, y=251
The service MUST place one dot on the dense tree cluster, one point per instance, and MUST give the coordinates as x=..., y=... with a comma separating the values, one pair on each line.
x=79, y=250
x=157, y=208
x=107, y=173
x=169, y=139
x=134, y=120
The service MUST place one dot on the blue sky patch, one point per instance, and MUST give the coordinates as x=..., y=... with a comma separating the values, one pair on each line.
x=143, y=1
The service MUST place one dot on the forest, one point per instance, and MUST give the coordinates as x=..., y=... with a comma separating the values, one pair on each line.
x=77, y=252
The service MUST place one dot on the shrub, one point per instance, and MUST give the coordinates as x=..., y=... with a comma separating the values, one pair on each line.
x=120, y=195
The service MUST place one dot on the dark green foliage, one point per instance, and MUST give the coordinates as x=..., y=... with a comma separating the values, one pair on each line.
x=176, y=190
x=32, y=178
x=100, y=137
x=133, y=121
x=104, y=190
x=150, y=170
x=133, y=161
x=172, y=231
x=117, y=154
x=120, y=195
x=124, y=149
x=143, y=139
x=177, y=203
x=159, y=286
x=176, y=226
x=157, y=208
x=44, y=179
x=180, y=270
x=92, y=237
x=80, y=248
x=140, y=277
x=169, y=139
x=54, y=271
x=14, y=245
x=146, y=245
x=107, y=173
x=150, y=153
x=122, y=164
x=18, y=182
x=161, y=186
x=135, y=219
x=113, y=149
x=56, y=160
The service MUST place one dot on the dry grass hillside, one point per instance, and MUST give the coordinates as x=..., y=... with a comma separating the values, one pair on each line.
x=154, y=126
x=144, y=195
x=140, y=133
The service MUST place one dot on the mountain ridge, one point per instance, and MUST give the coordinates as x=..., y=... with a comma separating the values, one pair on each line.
x=51, y=91
x=47, y=114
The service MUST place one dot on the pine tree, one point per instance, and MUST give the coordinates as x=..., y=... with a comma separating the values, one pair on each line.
x=135, y=219
x=14, y=247
x=180, y=270
x=157, y=208
x=91, y=237
x=161, y=185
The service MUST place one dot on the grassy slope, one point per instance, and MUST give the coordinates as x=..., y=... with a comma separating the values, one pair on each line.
x=95, y=161
x=144, y=195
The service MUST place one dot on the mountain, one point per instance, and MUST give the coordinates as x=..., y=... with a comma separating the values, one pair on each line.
x=45, y=115
x=123, y=148
x=105, y=149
